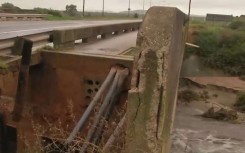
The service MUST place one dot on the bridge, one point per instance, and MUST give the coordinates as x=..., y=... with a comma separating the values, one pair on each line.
x=72, y=78
x=21, y=17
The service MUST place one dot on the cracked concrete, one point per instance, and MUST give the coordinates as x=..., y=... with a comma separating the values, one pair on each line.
x=152, y=98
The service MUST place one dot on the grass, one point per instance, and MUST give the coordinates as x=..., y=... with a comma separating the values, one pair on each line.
x=222, y=45
x=50, y=134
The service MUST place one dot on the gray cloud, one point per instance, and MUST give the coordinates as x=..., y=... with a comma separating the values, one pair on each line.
x=235, y=7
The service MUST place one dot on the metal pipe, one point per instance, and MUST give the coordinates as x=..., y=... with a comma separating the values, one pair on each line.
x=83, y=8
x=86, y=114
x=129, y=7
x=114, y=99
x=103, y=8
x=112, y=93
x=101, y=112
x=104, y=118
x=143, y=5
x=189, y=20
x=115, y=134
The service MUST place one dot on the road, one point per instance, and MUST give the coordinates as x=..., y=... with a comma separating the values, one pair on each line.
x=19, y=28
x=110, y=46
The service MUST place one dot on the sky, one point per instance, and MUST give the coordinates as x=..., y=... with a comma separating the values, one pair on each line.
x=199, y=7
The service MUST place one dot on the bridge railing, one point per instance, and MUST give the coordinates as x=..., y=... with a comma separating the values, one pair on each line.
x=14, y=45
x=22, y=17
x=65, y=38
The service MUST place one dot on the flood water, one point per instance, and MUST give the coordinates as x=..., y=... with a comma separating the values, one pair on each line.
x=194, y=134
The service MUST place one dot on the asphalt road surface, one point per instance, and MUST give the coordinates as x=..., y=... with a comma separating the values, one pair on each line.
x=19, y=28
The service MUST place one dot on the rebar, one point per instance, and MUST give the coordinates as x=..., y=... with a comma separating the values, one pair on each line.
x=115, y=134
x=87, y=112
x=109, y=110
x=111, y=93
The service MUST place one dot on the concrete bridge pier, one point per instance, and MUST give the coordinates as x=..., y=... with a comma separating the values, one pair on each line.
x=152, y=98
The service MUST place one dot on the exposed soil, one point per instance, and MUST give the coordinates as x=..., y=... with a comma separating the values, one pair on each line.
x=233, y=83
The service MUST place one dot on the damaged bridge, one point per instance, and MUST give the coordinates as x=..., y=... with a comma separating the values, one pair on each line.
x=93, y=89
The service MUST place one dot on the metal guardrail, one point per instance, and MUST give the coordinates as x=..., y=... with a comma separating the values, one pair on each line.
x=11, y=17
x=39, y=39
x=65, y=38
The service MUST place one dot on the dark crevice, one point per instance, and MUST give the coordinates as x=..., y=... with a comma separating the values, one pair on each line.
x=136, y=114
x=138, y=79
x=159, y=110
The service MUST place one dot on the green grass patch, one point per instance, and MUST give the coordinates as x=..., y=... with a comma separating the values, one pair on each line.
x=222, y=46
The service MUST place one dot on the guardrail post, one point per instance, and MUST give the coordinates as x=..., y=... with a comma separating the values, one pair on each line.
x=21, y=94
x=18, y=46
x=152, y=98
x=64, y=39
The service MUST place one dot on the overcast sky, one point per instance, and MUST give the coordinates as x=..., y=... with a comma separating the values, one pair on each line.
x=199, y=7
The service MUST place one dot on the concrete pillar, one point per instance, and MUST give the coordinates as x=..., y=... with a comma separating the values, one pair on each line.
x=64, y=39
x=152, y=98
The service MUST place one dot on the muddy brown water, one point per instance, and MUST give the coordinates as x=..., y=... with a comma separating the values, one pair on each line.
x=195, y=134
